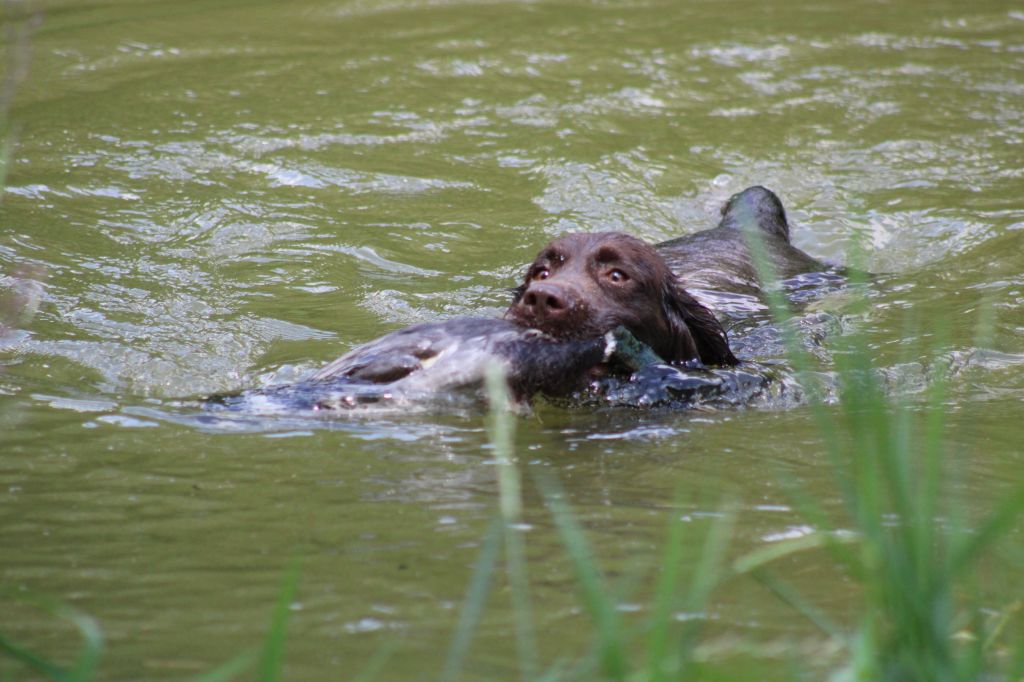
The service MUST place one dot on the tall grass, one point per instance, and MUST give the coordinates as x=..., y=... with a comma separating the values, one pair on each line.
x=913, y=548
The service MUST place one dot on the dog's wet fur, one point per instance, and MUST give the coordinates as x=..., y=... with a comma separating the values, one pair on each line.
x=720, y=259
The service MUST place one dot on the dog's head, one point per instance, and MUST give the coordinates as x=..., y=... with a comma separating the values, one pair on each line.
x=583, y=285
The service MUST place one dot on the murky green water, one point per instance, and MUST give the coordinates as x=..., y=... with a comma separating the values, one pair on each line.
x=226, y=194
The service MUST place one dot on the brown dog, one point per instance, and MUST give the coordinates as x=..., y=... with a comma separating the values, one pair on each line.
x=581, y=292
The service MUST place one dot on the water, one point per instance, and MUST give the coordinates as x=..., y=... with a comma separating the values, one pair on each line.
x=222, y=195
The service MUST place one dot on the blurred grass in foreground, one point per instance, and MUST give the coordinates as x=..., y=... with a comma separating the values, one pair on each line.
x=904, y=537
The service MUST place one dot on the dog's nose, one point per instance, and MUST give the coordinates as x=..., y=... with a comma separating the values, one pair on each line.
x=544, y=301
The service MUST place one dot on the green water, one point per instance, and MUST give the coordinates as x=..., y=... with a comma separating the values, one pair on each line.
x=222, y=195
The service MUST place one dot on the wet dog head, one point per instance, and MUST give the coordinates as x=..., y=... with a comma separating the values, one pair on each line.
x=583, y=285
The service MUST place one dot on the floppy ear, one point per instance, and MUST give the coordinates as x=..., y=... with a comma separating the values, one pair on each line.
x=691, y=321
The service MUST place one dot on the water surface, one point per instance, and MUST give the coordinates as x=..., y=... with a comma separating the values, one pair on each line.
x=222, y=195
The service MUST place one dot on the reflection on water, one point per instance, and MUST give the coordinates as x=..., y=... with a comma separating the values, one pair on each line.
x=221, y=196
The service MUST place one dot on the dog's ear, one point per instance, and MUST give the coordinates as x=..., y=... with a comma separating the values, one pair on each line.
x=693, y=325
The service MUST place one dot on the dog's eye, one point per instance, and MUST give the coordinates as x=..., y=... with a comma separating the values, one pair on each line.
x=618, y=276
x=542, y=273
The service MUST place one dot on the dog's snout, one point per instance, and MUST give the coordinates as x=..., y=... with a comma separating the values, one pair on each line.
x=545, y=300
x=545, y=304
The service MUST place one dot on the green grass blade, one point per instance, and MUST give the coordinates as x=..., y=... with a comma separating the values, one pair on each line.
x=799, y=357
x=665, y=598
x=92, y=644
x=553, y=674
x=38, y=663
x=515, y=555
x=594, y=592
x=704, y=579
x=711, y=557
x=476, y=598
x=809, y=508
x=376, y=663
x=1017, y=667
x=759, y=558
x=84, y=668
x=996, y=525
x=229, y=669
x=502, y=430
x=788, y=595
x=1004, y=617
x=662, y=663
x=271, y=659
x=6, y=151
